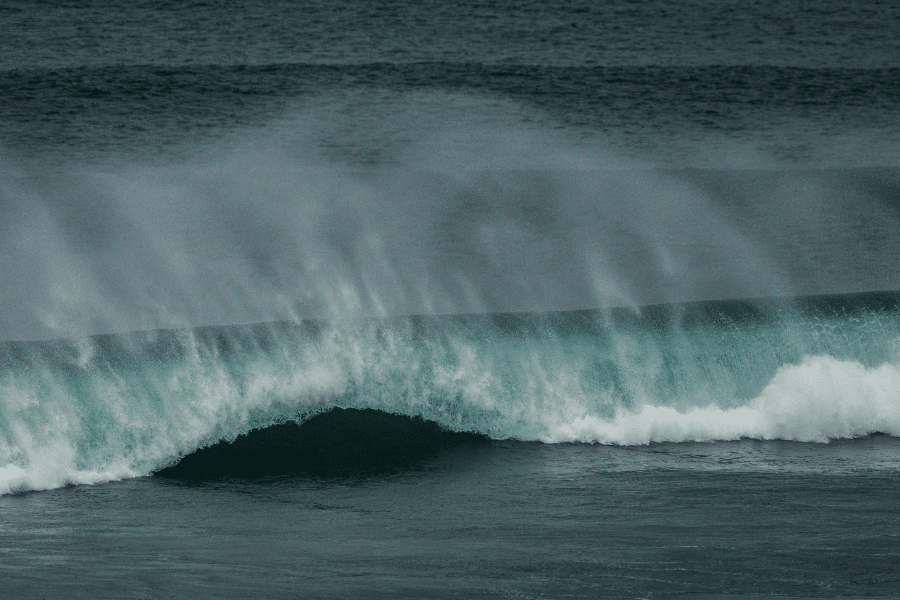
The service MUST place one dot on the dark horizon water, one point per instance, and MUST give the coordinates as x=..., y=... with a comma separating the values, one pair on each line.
x=451, y=300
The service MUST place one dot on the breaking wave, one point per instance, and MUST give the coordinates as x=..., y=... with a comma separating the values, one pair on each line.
x=115, y=406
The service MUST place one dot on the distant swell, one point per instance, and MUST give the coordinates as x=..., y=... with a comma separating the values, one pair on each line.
x=116, y=406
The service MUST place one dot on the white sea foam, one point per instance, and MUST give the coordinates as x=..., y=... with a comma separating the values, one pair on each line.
x=818, y=400
x=10, y=477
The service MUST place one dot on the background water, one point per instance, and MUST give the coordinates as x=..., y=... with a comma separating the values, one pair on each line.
x=182, y=169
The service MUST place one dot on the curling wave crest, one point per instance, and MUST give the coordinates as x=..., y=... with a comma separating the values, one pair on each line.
x=117, y=406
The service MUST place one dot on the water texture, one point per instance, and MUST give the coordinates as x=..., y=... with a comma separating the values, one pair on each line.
x=474, y=299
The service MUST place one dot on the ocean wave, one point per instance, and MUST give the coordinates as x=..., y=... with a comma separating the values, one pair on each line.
x=118, y=406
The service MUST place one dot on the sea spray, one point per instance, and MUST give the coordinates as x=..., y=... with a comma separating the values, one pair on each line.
x=282, y=222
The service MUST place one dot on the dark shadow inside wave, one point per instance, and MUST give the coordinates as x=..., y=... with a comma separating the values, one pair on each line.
x=339, y=443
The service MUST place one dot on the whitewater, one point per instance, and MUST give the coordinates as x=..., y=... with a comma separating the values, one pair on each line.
x=108, y=407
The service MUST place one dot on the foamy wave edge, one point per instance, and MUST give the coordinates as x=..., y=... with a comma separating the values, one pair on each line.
x=818, y=400
x=14, y=479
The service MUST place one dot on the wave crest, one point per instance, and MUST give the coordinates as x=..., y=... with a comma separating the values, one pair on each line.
x=111, y=407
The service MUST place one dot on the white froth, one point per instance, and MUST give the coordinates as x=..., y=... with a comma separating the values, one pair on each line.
x=818, y=400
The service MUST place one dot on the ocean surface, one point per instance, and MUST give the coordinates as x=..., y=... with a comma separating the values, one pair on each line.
x=481, y=299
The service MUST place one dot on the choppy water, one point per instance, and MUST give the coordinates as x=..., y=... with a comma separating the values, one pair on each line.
x=449, y=300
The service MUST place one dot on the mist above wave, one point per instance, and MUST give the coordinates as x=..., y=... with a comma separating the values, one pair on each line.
x=473, y=212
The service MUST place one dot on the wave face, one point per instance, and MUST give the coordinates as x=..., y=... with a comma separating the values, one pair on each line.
x=115, y=406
